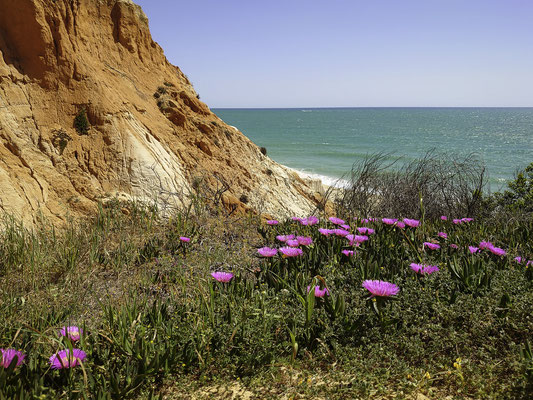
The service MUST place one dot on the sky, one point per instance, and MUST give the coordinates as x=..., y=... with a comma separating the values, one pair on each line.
x=350, y=53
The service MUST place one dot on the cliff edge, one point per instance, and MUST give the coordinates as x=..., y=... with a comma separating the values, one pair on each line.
x=91, y=108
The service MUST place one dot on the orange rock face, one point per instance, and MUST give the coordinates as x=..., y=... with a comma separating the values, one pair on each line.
x=149, y=135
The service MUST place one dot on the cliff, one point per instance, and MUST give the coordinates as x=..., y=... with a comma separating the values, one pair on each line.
x=149, y=136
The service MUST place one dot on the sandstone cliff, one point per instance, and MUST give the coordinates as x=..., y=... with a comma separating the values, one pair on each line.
x=150, y=136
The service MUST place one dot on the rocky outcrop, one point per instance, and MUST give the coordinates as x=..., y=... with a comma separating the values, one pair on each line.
x=149, y=134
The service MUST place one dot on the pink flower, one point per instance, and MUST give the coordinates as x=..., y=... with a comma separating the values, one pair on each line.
x=272, y=222
x=291, y=251
x=8, y=355
x=185, y=239
x=292, y=243
x=348, y=253
x=497, y=251
x=304, y=240
x=443, y=235
x=267, y=251
x=518, y=259
x=340, y=232
x=325, y=231
x=356, y=239
x=485, y=245
x=413, y=223
x=381, y=288
x=319, y=292
x=347, y=227
x=312, y=220
x=337, y=221
x=222, y=276
x=473, y=249
x=71, y=332
x=400, y=224
x=444, y=218
x=366, y=231
x=298, y=219
x=457, y=221
x=454, y=246
x=424, y=269
x=389, y=221
x=65, y=359
x=284, y=238
x=431, y=246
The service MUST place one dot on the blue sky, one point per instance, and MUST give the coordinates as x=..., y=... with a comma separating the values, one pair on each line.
x=350, y=53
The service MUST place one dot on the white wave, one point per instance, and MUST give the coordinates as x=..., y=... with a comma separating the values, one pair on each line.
x=326, y=180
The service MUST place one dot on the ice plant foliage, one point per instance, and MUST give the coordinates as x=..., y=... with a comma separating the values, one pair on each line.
x=381, y=288
x=71, y=332
x=222, y=276
x=424, y=269
x=267, y=251
x=65, y=359
x=291, y=251
x=8, y=355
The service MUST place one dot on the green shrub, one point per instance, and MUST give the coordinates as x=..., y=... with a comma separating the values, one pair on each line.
x=81, y=123
x=519, y=195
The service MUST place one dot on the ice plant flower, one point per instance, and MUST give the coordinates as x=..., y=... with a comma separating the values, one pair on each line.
x=284, y=238
x=467, y=219
x=325, y=232
x=457, y=221
x=319, y=292
x=443, y=235
x=485, y=245
x=185, y=239
x=340, y=232
x=66, y=359
x=304, y=240
x=454, y=246
x=312, y=220
x=71, y=332
x=518, y=260
x=432, y=246
x=365, y=231
x=8, y=355
x=267, y=251
x=298, y=219
x=356, y=239
x=497, y=251
x=292, y=243
x=413, y=223
x=389, y=221
x=473, y=249
x=272, y=222
x=345, y=226
x=381, y=288
x=424, y=269
x=444, y=218
x=222, y=276
x=291, y=251
x=348, y=253
x=400, y=224
x=337, y=221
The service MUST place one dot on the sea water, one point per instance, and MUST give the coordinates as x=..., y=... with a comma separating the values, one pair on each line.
x=326, y=142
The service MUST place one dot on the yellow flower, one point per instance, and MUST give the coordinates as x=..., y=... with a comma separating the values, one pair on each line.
x=427, y=375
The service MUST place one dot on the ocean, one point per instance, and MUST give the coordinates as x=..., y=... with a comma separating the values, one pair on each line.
x=326, y=142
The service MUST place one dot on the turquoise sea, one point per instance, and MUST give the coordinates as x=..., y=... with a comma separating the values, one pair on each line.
x=325, y=142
